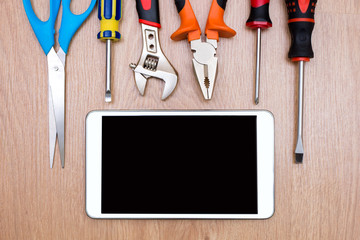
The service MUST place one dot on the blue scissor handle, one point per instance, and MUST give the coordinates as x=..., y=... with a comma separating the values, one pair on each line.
x=44, y=31
x=70, y=23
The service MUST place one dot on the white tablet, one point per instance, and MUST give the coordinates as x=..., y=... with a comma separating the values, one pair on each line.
x=180, y=164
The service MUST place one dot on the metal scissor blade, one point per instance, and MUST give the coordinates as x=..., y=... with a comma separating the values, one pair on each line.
x=56, y=71
x=52, y=128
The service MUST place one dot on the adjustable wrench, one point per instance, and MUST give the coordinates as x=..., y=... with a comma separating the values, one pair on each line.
x=153, y=62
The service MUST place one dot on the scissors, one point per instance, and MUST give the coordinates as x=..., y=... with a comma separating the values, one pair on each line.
x=44, y=31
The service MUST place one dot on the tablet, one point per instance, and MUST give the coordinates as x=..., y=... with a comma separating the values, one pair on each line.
x=180, y=164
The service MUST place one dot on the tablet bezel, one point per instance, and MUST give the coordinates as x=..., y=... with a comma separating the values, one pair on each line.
x=265, y=164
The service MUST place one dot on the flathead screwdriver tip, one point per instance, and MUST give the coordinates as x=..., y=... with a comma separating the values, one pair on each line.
x=108, y=71
x=299, y=158
x=108, y=96
x=299, y=152
x=258, y=61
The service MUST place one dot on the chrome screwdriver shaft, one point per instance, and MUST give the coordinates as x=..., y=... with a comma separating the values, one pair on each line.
x=109, y=14
x=108, y=71
x=259, y=19
x=258, y=61
x=301, y=23
x=299, y=151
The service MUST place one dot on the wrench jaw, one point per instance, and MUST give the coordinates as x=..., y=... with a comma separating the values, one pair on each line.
x=154, y=64
x=141, y=81
x=142, y=75
x=170, y=84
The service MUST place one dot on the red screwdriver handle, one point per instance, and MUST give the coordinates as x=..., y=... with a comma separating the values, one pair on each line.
x=148, y=11
x=301, y=25
x=259, y=14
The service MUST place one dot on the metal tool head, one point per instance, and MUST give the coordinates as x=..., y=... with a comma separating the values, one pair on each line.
x=299, y=151
x=56, y=71
x=205, y=65
x=153, y=63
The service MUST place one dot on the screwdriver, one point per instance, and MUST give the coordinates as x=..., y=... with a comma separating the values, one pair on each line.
x=109, y=14
x=259, y=19
x=301, y=25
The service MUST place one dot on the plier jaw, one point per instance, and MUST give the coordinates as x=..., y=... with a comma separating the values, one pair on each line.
x=205, y=60
x=205, y=65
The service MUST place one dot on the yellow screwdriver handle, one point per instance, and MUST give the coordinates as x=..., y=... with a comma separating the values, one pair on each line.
x=109, y=14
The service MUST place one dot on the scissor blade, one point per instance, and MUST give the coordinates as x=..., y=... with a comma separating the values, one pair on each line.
x=56, y=70
x=52, y=129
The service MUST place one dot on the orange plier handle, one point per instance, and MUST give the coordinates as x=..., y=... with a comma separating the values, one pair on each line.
x=190, y=29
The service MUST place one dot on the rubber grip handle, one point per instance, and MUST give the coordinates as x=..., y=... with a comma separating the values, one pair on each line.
x=215, y=26
x=70, y=23
x=149, y=13
x=259, y=14
x=44, y=30
x=109, y=14
x=180, y=4
x=301, y=25
x=189, y=27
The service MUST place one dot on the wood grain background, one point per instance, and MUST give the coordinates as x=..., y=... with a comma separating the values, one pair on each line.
x=317, y=200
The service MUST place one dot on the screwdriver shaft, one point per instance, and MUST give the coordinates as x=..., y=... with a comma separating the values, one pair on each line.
x=301, y=22
x=109, y=14
x=258, y=61
x=108, y=71
x=299, y=151
x=259, y=19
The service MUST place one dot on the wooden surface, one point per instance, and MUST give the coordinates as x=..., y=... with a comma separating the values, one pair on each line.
x=317, y=200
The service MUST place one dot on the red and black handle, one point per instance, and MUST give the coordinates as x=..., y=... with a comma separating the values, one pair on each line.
x=190, y=29
x=301, y=24
x=215, y=25
x=259, y=14
x=149, y=13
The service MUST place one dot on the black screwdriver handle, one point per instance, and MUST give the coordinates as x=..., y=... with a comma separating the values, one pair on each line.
x=301, y=24
x=149, y=13
x=259, y=15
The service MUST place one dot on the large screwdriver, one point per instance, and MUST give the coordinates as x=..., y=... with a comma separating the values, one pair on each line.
x=259, y=19
x=301, y=24
x=109, y=14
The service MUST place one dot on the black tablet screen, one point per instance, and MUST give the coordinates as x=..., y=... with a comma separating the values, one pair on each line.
x=179, y=165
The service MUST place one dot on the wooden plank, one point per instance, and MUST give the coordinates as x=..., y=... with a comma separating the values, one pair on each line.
x=317, y=200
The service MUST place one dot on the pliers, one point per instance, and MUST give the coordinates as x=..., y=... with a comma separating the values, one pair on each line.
x=205, y=61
